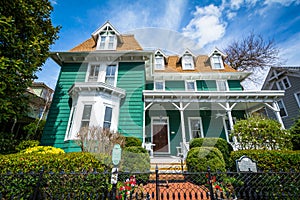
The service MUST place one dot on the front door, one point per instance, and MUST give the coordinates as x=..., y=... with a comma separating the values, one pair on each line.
x=160, y=136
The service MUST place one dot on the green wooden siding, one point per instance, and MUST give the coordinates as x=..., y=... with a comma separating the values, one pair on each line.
x=234, y=85
x=206, y=85
x=57, y=120
x=131, y=78
x=174, y=85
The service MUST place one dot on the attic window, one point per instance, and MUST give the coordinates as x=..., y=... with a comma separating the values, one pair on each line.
x=217, y=62
x=159, y=62
x=107, y=39
x=187, y=62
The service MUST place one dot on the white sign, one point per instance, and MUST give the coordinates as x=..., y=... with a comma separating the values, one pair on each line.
x=116, y=154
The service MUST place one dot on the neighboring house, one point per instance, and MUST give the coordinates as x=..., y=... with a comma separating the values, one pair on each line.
x=40, y=96
x=287, y=79
x=110, y=81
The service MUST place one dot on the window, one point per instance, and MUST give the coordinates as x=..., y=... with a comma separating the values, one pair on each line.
x=102, y=42
x=297, y=96
x=107, y=39
x=93, y=73
x=222, y=85
x=216, y=62
x=187, y=62
x=190, y=85
x=159, y=63
x=71, y=118
x=110, y=74
x=195, y=127
x=86, y=115
x=283, y=84
x=107, y=117
x=111, y=40
x=281, y=106
x=159, y=85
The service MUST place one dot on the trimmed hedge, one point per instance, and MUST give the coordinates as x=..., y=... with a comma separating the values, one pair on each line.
x=275, y=160
x=219, y=143
x=135, y=159
x=199, y=158
x=132, y=141
x=50, y=162
x=27, y=144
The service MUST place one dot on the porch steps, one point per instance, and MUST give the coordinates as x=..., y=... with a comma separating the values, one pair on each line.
x=167, y=164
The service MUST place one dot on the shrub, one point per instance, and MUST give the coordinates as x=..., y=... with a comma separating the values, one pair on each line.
x=219, y=143
x=274, y=160
x=199, y=158
x=43, y=150
x=34, y=130
x=295, y=134
x=260, y=133
x=7, y=143
x=132, y=141
x=66, y=162
x=26, y=144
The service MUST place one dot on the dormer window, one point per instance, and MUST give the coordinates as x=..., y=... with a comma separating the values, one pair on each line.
x=187, y=62
x=107, y=39
x=217, y=62
x=159, y=61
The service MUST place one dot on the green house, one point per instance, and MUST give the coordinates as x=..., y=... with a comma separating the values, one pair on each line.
x=111, y=82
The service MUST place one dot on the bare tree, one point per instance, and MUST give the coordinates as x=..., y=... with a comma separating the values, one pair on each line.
x=252, y=52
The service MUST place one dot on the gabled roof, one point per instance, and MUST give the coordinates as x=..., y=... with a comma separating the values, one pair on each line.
x=188, y=51
x=128, y=43
x=217, y=51
x=103, y=27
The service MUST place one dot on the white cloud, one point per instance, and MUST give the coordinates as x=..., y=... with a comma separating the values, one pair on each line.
x=231, y=15
x=172, y=14
x=53, y=2
x=236, y=4
x=282, y=2
x=206, y=25
x=290, y=49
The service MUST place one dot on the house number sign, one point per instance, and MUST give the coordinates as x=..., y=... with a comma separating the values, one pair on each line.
x=116, y=154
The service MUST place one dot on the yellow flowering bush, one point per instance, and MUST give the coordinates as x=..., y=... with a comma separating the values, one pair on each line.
x=43, y=150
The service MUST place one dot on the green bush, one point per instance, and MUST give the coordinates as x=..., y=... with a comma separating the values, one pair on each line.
x=26, y=144
x=7, y=143
x=132, y=141
x=275, y=160
x=295, y=134
x=219, y=143
x=199, y=158
x=50, y=162
x=135, y=159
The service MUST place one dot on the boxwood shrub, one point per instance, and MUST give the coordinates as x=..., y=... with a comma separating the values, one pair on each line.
x=67, y=162
x=219, y=143
x=199, y=158
x=274, y=160
x=132, y=141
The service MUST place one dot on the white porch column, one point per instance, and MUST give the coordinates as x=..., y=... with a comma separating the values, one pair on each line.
x=228, y=110
x=277, y=113
x=182, y=123
x=144, y=121
x=276, y=110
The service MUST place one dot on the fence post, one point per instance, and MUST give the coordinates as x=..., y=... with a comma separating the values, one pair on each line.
x=157, y=182
x=211, y=191
x=37, y=188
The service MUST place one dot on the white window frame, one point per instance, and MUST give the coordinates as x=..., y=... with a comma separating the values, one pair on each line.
x=110, y=76
x=111, y=117
x=88, y=78
x=280, y=83
x=297, y=97
x=157, y=65
x=105, y=42
x=90, y=114
x=162, y=119
x=283, y=107
x=188, y=62
x=214, y=63
x=187, y=85
x=190, y=128
x=163, y=84
x=219, y=82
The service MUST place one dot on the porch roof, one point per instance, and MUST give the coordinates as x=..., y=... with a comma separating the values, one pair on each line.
x=264, y=96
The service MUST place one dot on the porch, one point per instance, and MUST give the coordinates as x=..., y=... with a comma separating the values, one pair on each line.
x=172, y=119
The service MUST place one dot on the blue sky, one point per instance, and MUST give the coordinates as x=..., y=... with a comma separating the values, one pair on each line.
x=174, y=25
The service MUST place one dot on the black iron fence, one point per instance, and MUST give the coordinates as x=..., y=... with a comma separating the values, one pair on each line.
x=156, y=185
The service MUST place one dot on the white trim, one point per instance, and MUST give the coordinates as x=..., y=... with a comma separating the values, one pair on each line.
x=297, y=98
x=186, y=85
x=190, y=128
x=168, y=131
x=282, y=82
x=227, y=128
x=162, y=67
x=213, y=63
x=68, y=134
x=154, y=86
x=187, y=59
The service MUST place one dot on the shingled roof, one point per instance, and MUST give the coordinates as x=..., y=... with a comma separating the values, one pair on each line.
x=127, y=43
